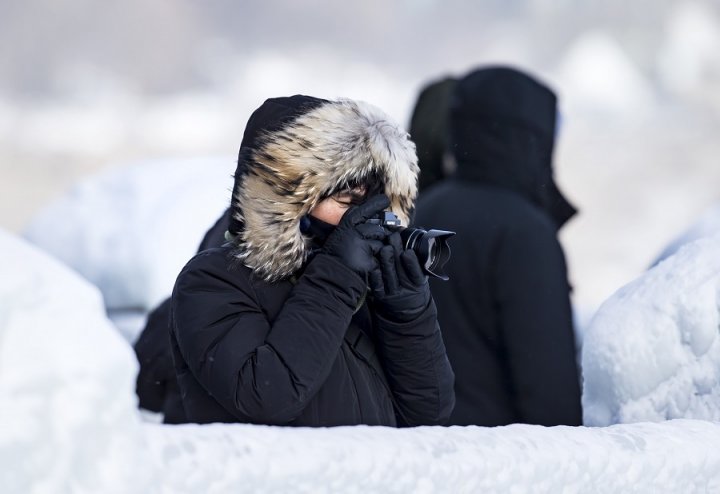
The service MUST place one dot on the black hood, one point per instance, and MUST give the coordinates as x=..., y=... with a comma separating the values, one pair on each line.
x=298, y=150
x=502, y=132
x=428, y=129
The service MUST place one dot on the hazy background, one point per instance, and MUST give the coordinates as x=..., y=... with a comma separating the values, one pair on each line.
x=86, y=85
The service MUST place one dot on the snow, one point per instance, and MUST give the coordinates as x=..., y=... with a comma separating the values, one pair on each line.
x=598, y=75
x=652, y=351
x=129, y=230
x=70, y=422
x=67, y=406
x=688, y=59
x=707, y=225
x=672, y=457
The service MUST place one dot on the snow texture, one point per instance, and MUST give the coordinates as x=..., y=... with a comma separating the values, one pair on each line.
x=68, y=419
x=671, y=457
x=652, y=351
x=131, y=229
x=69, y=424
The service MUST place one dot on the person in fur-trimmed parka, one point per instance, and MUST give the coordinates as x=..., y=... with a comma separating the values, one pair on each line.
x=279, y=326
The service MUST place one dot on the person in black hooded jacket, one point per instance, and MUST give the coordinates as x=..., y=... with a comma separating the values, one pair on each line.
x=279, y=326
x=506, y=308
x=428, y=130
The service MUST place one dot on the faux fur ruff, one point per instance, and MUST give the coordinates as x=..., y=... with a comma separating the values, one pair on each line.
x=319, y=153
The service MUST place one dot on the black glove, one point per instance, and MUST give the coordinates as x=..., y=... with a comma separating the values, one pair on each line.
x=354, y=242
x=399, y=286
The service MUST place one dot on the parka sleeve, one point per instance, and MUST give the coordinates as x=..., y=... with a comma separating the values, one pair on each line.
x=536, y=325
x=417, y=368
x=261, y=371
x=153, y=352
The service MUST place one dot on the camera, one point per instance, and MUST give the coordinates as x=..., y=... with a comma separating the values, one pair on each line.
x=430, y=246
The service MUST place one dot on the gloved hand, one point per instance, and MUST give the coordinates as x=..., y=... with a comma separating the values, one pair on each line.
x=354, y=242
x=399, y=286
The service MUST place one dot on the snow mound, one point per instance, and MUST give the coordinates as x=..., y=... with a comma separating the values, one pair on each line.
x=67, y=380
x=652, y=351
x=131, y=229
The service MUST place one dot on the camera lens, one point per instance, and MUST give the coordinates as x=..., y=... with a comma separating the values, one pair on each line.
x=430, y=247
x=433, y=250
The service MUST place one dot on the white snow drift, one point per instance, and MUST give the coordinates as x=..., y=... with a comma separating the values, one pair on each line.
x=68, y=420
x=131, y=229
x=652, y=351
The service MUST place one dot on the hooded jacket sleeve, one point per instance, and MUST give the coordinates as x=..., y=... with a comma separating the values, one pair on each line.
x=261, y=371
x=536, y=324
x=152, y=349
x=417, y=368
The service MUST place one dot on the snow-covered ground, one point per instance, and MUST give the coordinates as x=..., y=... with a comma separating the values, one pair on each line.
x=69, y=421
x=671, y=457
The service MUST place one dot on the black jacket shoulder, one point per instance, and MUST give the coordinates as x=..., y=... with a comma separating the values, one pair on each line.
x=505, y=312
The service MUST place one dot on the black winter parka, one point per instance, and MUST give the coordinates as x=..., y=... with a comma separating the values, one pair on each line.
x=247, y=350
x=507, y=308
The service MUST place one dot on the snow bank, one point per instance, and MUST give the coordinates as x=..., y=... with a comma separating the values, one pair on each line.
x=68, y=423
x=672, y=457
x=131, y=229
x=68, y=420
x=652, y=351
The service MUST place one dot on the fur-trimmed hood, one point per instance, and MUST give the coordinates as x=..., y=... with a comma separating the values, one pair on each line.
x=293, y=166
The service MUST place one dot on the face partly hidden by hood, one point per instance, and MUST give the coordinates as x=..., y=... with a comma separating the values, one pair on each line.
x=295, y=152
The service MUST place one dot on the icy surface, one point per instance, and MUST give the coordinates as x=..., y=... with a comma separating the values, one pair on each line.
x=131, y=229
x=652, y=351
